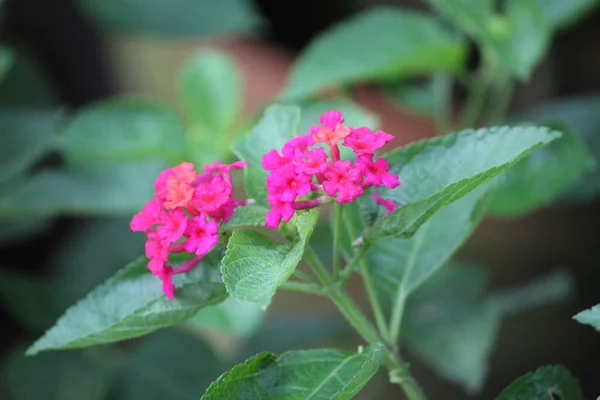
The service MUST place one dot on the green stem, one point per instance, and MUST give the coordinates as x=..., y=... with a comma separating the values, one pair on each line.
x=396, y=319
x=302, y=287
x=317, y=266
x=442, y=90
x=477, y=93
x=399, y=373
x=337, y=224
x=500, y=100
x=305, y=277
x=374, y=299
x=347, y=272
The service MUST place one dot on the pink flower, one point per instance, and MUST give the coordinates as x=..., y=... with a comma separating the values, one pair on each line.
x=344, y=180
x=389, y=205
x=202, y=235
x=332, y=129
x=272, y=160
x=376, y=173
x=208, y=197
x=147, y=218
x=363, y=141
x=298, y=143
x=287, y=184
x=280, y=210
x=173, y=226
x=166, y=276
x=182, y=194
x=157, y=251
x=312, y=161
x=179, y=186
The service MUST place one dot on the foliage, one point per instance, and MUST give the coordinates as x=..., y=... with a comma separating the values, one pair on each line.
x=420, y=298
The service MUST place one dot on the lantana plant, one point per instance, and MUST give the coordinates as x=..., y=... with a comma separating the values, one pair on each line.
x=323, y=206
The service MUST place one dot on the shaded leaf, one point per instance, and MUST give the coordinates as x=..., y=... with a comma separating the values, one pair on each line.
x=518, y=39
x=210, y=88
x=302, y=374
x=398, y=266
x=123, y=130
x=450, y=325
x=169, y=364
x=254, y=265
x=416, y=96
x=55, y=376
x=554, y=287
x=438, y=171
x=355, y=51
x=541, y=177
x=120, y=189
x=277, y=125
x=580, y=115
x=550, y=382
x=12, y=230
x=590, y=317
x=562, y=14
x=26, y=136
x=131, y=304
x=230, y=316
x=7, y=59
x=31, y=301
x=174, y=18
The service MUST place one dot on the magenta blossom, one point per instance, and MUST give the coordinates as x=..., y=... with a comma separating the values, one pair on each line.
x=304, y=171
x=184, y=216
x=389, y=205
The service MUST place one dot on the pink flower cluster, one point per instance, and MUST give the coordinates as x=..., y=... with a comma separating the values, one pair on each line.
x=301, y=170
x=184, y=216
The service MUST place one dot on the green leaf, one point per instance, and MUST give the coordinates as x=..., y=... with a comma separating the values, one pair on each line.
x=168, y=364
x=230, y=316
x=26, y=136
x=556, y=286
x=399, y=266
x=277, y=125
x=83, y=190
x=174, y=18
x=590, y=317
x=550, y=382
x=132, y=304
x=580, y=115
x=416, y=96
x=517, y=39
x=356, y=51
x=438, y=171
x=7, y=59
x=304, y=374
x=450, y=325
x=123, y=130
x=210, y=88
x=541, y=177
x=561, y=14
x=251, y=215
x=254, y=265
x=55, y=376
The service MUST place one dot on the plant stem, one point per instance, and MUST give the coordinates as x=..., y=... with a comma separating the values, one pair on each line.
x=337, y=226
x=396, y=319
x=442, y=88
x=477, y=93
x=374, y=300
x=305, y=277
x=347, y=272
x=500, y=99
x=302, y=287
x=399, y=373
x=317, y=266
